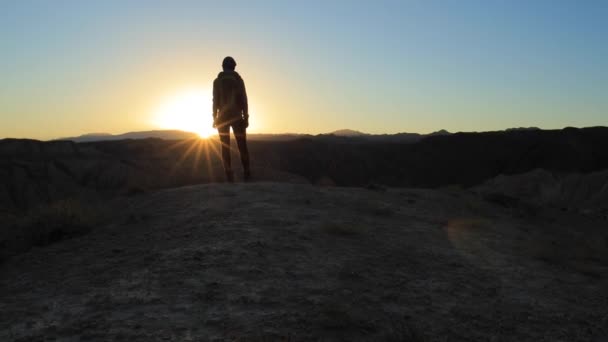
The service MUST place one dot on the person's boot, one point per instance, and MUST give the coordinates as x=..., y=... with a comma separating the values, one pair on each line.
x=247, y=175
x=229, y=177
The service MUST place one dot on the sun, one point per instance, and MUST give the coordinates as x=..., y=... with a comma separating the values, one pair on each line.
x=188, y=110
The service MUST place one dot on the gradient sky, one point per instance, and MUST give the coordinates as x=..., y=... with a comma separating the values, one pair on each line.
x=73, y=67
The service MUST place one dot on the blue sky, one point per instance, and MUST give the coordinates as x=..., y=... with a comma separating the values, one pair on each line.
x=72, y=67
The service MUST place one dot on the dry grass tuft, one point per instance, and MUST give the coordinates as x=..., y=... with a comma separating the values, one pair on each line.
x=60, y=220
x=48, y=224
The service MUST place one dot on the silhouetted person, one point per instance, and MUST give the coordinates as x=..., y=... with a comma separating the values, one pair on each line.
x=230, y=109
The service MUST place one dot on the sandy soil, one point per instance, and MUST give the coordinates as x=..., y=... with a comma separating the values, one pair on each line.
x=268, y=261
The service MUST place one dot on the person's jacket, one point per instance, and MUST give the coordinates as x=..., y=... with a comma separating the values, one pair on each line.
x=229, y=98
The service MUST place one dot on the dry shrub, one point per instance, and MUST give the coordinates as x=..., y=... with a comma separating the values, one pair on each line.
x=48, y=224
x=60, y=220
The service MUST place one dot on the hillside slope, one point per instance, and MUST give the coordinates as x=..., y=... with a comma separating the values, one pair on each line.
x=269, y=261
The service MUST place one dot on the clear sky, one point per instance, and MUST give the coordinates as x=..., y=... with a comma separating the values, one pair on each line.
x=73, y=67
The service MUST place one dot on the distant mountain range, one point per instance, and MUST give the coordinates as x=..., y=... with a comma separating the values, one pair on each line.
x=349, y=133
x=345, y=135
x=397, y=137
x=341, y=134
x=162, y=134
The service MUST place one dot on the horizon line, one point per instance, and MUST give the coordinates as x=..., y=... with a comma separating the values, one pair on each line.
x=354, y=133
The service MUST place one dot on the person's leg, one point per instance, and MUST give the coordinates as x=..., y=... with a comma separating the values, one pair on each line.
x=224, y=132
x=240, y=134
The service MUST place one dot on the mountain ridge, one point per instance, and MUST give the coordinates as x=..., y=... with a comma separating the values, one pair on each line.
x=344, y=133
x=180, y=135
x=161, y=134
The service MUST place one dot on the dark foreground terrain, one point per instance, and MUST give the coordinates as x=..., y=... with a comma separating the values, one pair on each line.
x=297, y=262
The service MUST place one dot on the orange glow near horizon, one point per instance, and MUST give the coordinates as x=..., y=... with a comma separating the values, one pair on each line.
x=188, y=110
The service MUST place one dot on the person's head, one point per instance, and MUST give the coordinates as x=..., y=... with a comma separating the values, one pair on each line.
x=228, y=64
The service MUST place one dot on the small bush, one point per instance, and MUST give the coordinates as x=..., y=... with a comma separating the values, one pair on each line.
x=46, y=225
x=60, y=220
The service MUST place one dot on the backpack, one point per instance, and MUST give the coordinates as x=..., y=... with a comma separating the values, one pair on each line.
x=230, y=94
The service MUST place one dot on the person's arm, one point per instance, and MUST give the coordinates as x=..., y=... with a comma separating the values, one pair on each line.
x=245, y=104
x=216, y=97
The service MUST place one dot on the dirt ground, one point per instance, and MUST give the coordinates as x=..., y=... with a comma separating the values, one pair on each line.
x=293, y=262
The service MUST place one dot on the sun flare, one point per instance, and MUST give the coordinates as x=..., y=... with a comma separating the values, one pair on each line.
x=189, y=110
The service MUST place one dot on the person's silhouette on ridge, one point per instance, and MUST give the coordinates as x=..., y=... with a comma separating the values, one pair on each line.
x=230, y=109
